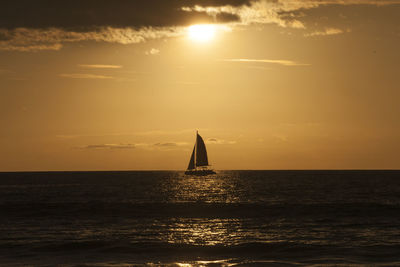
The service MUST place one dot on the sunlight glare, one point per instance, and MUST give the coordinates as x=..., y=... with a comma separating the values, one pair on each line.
x=201, y=32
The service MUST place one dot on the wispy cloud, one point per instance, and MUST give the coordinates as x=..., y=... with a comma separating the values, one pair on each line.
x=219, y=141
x=165, y=144
x=152, y=52
x=109, y=146
x=275, y=12
x=85, y=76
x=99, y=66
x=28, y=45
x=25, y=39
x=147, y=146
x=170, y=144
x=270, y=61
x=327, y=31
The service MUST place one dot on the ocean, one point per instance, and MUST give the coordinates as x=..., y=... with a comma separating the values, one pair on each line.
x=233, y=218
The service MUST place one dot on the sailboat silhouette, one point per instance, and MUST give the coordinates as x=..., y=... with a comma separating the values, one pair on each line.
x=198, y=164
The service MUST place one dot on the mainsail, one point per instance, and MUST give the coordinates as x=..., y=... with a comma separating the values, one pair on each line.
x=201, y=152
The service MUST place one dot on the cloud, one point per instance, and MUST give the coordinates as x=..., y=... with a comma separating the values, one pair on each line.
x=257, y=12
x=99, y=66
x=85, y=76
x=24, y=39
x=109, y=146
x=170, y=144
x=271, y=61
x=147, y=146
x=219, y=141
x=277, y=11
x=27, y=25
x=153, y=51
x=86, y=15
x=296, y=24
x=327, y=31
x=165, y=144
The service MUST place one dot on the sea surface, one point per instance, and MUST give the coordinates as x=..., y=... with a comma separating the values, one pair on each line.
x=233, y=218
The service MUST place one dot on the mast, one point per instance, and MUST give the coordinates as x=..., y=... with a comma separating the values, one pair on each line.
x=195, y=150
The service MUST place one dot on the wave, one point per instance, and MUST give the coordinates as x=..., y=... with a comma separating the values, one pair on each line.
x=244, y=254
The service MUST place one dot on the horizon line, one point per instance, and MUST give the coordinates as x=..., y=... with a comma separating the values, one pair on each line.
x=182, y=170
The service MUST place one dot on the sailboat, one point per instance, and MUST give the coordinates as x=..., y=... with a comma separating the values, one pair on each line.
x=198, y=164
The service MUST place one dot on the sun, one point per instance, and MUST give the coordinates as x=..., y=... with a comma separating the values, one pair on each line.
x=201, y=32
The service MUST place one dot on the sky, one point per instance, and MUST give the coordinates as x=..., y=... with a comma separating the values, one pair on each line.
x=269, y=84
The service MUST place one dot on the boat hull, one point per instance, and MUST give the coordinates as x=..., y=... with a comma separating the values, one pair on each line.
x=200, y=172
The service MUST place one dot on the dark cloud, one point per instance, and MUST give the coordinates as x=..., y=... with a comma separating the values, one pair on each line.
x=84, y=15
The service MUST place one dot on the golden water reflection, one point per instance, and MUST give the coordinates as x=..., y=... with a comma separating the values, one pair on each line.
x=204, y=232
x=212, y=210
x=212, y=188
x=223, y=263
x=197, y=229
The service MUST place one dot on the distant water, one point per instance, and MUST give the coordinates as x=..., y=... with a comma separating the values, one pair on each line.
x=233, y=218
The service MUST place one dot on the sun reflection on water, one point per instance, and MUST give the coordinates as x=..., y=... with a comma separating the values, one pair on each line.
x=223, y=263
x=204, y=232
x=208, y=189
x=203, y=191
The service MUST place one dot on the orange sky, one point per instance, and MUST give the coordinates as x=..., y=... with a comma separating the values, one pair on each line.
x=277, y=85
